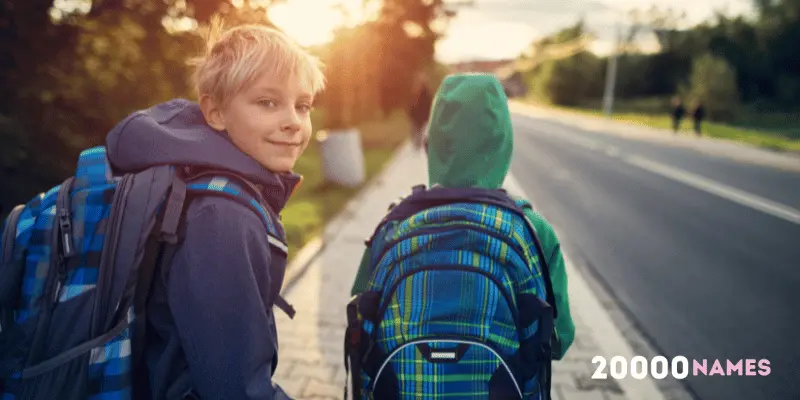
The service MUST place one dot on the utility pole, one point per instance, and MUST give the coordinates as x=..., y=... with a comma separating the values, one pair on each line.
x=611, y=74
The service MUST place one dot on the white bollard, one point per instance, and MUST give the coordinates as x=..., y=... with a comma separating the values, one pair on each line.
x=342, y=156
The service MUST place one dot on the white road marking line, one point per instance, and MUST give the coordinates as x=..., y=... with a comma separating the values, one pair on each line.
x=581, y=141
x=705, y=184
x=739, y=196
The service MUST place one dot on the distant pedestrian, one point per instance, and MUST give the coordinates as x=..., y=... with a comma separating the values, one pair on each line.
x=419, y=110
x=678, y=112
x=699, y=114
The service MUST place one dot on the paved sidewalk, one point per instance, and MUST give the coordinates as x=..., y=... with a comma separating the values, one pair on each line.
x=311, y=360
x=711, y=146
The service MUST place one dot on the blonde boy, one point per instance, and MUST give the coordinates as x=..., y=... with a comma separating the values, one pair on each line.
x=211, y=329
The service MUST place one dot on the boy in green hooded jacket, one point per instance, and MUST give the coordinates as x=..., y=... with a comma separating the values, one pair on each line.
x=470, y=142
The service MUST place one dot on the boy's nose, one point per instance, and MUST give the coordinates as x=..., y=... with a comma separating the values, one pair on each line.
x=291, y=127
x=292, y=123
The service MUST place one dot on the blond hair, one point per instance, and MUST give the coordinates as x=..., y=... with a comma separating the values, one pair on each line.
x=234, y=58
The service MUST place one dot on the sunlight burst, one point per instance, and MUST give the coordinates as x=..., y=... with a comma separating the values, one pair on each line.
x=312, y=22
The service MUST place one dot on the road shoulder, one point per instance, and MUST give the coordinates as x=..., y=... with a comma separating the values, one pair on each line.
x=711, y=146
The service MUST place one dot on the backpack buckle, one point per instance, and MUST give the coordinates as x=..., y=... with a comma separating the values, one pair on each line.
x=353, y=335
x=284, y=306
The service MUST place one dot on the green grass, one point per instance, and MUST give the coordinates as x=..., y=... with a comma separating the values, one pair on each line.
x=774, y=131
x=762, y=138
x=316, y=202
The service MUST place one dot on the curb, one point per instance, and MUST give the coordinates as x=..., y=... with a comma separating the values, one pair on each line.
x=311, y=250
x=299, y=265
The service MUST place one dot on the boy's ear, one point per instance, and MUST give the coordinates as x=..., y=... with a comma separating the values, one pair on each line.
x=212, y=113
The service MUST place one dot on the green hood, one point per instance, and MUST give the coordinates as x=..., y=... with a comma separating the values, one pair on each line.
x=470, y=138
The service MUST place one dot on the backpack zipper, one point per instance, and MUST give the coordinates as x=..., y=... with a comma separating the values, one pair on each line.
x=53, y=281
x=442, y=267
x=109, y=255
x=544, y=268
x=441, y=339
x=445, y=228
x=439, y=267
x=64, y=215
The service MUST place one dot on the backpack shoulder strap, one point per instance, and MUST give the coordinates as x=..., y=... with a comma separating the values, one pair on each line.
x=526, y=205
x=9, y=234
x=415, y=190
x=10, y=272
x=240, y=189
x=390, y=211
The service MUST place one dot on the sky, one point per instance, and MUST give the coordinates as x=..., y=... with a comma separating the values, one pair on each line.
x=499, y=29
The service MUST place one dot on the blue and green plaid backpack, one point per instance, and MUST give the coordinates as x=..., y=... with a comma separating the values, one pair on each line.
x=77, y=266
x=454, y=309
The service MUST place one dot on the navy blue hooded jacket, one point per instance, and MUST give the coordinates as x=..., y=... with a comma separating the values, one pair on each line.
x=210, y=329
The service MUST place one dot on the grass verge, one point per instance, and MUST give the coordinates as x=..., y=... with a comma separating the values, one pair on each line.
x=316, y=202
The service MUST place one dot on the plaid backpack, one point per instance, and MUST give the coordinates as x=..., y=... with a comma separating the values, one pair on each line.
x=77, y=266
x=453, y=308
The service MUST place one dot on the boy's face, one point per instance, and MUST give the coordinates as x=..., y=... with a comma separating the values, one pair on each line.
x=269, y=120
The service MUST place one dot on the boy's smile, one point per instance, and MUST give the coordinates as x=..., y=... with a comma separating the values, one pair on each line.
x=288, y=144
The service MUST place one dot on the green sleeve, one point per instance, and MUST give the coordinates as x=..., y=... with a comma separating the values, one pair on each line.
x=362, y=276
x=564, y=327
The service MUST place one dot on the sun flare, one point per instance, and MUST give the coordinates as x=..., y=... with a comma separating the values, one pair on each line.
x=312, y=22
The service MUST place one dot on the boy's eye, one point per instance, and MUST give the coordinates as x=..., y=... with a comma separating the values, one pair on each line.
x=267, y=103
x=305, y=108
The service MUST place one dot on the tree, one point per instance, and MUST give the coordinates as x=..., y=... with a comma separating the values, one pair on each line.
x=569, y=81
x=558, y=68
x=68, y=74
x=32, y=32
x=665, y=23
x=409, y=30
x=760, y=49
x=352, y=62
x=713, y=82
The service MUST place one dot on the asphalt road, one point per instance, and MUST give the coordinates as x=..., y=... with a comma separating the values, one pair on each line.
x=703, y=252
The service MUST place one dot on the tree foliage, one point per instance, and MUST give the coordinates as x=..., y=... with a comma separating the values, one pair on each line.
x=713, y=83
x=760, y=51
x=71, y=69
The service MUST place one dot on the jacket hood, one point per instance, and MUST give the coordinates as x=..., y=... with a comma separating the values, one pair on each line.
x=470, y=136
x=176, y=133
